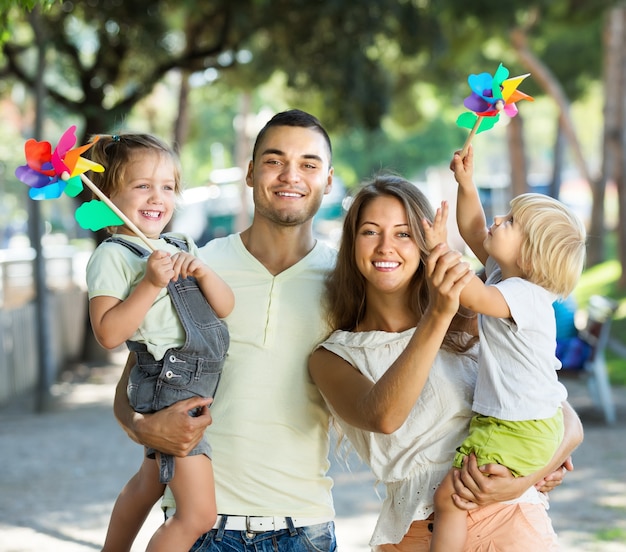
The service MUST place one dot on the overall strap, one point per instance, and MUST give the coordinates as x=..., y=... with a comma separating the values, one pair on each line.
x=142, y=252
x=176, y=242
x=136, y=249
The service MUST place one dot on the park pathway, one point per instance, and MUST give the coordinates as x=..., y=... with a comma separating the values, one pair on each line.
x=63, y=470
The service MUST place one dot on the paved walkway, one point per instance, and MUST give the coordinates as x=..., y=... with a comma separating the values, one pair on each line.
x=63, y=470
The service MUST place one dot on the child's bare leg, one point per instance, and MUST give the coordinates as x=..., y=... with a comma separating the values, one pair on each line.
x=450, y=526
x=194, y=492
x=133, y=506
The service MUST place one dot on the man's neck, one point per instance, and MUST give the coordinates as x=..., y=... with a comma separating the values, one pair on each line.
x=278, y=248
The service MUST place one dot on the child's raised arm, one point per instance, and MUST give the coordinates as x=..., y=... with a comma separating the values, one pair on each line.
x=470, y=215
x=475, y=295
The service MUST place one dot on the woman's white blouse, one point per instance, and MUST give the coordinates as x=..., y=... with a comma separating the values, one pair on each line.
x=413, y=460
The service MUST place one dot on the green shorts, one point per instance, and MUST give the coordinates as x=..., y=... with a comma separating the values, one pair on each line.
x=524, y=447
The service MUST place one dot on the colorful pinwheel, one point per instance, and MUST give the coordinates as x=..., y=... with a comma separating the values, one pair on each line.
x=490, y=95
x=50, y=173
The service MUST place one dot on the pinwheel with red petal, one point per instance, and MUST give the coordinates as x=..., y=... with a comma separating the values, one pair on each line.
x=49, y=173
x=490, y=96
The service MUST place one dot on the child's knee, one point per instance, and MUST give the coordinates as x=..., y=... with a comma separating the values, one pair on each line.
x=440, y=497
x=443, y=494
x=201, y=522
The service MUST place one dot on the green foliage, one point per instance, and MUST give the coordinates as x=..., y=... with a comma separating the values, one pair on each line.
x=600, y=279
x=8, y=9
x=388, y=78
x=359, y=155
x=611, y=534
x=6, y=5
x=357, y=61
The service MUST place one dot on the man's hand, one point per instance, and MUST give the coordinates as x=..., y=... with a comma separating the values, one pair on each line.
x=172, y=430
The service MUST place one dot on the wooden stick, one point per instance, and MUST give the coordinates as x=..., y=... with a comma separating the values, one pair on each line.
x=116, y=210
x=468, y=140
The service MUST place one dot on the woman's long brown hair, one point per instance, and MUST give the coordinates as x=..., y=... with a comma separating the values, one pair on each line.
x=345, y=286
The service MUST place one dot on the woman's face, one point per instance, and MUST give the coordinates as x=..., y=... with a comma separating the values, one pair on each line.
x=386, y=253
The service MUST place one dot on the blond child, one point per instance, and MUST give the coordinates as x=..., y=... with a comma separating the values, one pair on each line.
x=532, y=255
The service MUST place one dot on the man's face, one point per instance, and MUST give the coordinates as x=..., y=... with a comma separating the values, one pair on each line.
x=290, y=175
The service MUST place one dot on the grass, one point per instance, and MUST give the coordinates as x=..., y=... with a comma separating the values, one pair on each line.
x=612, y=535
x=602, y=279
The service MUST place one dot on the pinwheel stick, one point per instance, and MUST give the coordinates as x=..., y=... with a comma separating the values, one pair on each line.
x=498, y=106
x=113, y=208
x=471, y=135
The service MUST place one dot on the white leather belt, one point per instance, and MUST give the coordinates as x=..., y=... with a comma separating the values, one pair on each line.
x=258, y=524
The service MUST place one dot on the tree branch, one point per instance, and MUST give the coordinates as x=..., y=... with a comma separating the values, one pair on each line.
x=550, y=85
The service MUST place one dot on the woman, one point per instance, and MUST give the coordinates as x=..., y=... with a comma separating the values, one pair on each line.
x=399, y=371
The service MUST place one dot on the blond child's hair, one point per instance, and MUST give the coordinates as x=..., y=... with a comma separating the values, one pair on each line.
x=553, y=253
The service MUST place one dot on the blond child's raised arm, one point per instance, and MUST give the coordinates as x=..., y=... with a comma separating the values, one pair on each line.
x=470, y=215
x=476, y=295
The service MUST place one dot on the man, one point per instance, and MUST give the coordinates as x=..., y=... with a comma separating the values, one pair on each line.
x=269, y=428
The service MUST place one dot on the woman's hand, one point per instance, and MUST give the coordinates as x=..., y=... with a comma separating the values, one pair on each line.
x=473, y=487
x=447, y=275
x=490, y=483
x=553, y=480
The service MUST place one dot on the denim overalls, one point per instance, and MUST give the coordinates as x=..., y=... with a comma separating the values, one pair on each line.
x=192, y=370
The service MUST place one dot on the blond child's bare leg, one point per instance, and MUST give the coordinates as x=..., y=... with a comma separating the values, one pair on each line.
x=450, y=526
x=194, y=492
x=132, y=507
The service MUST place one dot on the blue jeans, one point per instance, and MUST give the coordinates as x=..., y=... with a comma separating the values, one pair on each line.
x=314, y=538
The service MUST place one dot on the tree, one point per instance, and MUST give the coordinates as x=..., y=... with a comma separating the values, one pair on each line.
x=559, y=42
x=105, y=56
x=614, y=139
x=356, y=62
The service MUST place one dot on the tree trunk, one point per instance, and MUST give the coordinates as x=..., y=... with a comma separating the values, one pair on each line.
x=243, y=147
x=619, y=15
x=611, y=138
x=46, y=368
x=557, y=166
x=552, y=88
x=517, y=155
x=181, y=124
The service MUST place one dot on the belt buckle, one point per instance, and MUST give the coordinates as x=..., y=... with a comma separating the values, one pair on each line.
x=249, y=531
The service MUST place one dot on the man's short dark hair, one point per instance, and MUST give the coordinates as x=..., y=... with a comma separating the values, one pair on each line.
x=293, y=118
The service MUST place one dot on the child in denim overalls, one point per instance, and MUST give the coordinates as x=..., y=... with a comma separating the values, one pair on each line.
x=166, y=305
